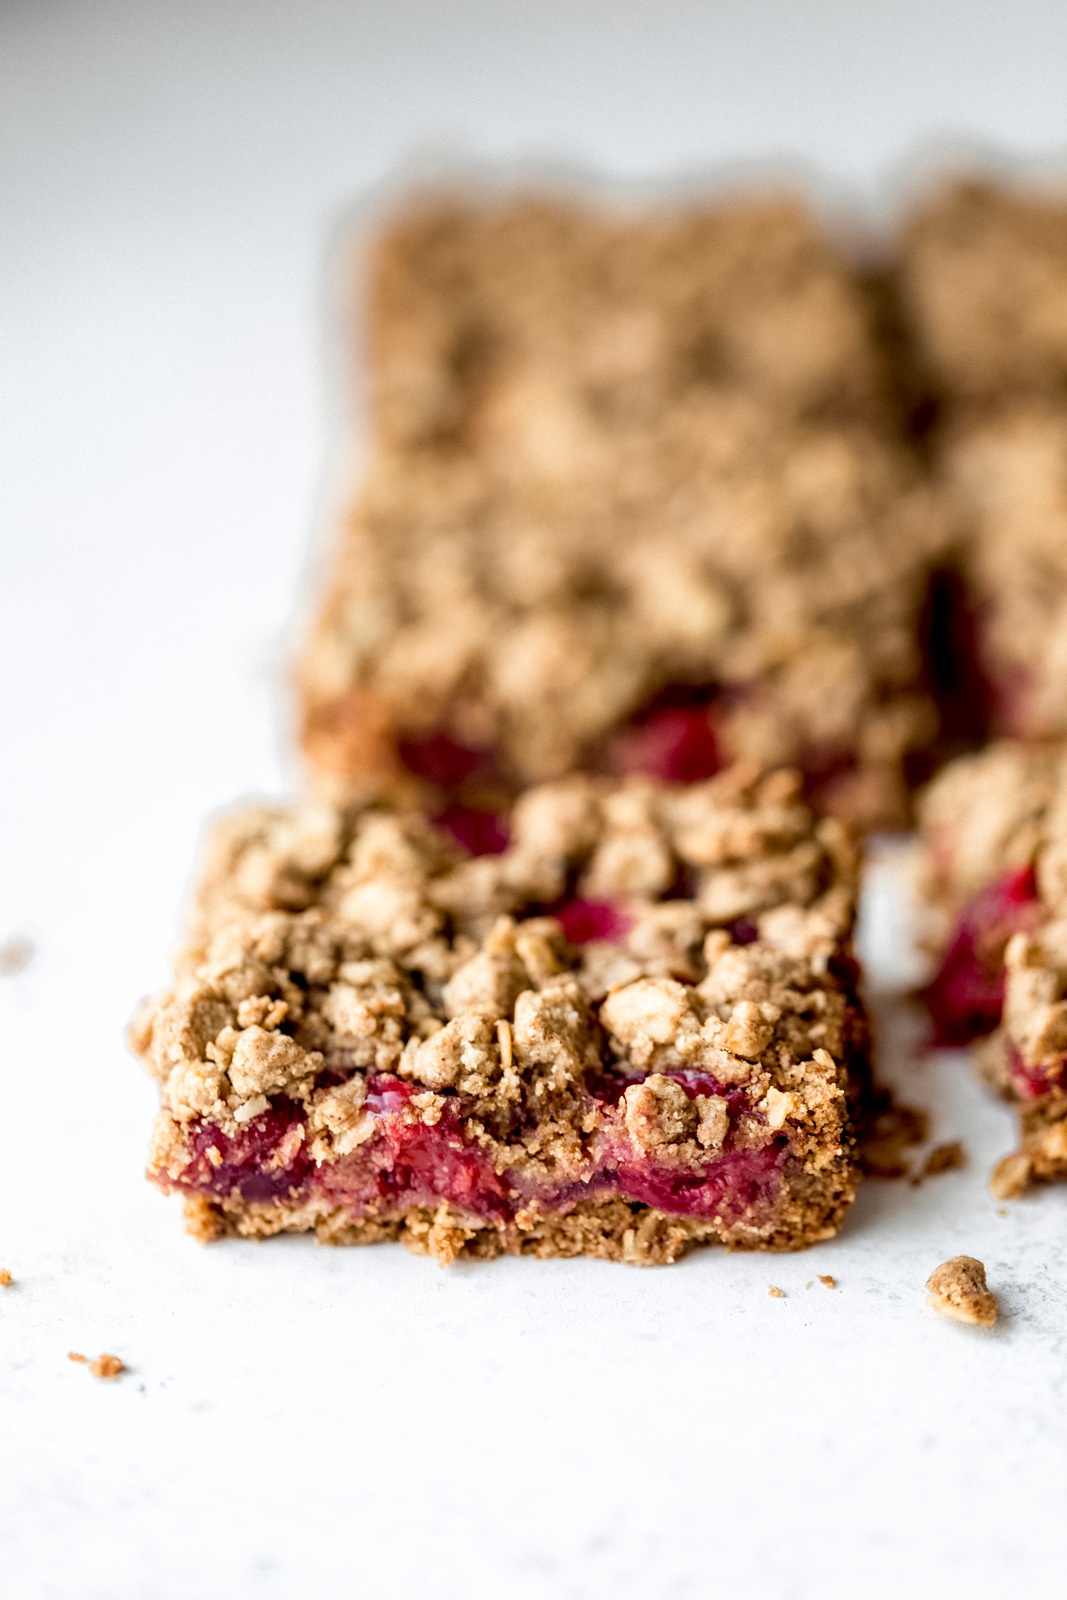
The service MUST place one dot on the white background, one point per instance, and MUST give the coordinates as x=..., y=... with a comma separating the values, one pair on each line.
x=297, y=1421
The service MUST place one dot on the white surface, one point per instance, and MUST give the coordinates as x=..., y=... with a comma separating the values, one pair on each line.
x=298, y=1421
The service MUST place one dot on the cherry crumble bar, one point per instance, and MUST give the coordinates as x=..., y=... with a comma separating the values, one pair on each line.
x=633, y=503
x=632, y=1029
x=983, y=285
x=995, y=830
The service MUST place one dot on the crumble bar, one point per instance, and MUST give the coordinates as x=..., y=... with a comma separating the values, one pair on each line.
x=982, y=278
x=1007, y=473
x=632, y=1030
x=995, y=832
x=632, y=504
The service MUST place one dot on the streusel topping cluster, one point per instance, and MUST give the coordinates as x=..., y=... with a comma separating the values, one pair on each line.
x=332, y=945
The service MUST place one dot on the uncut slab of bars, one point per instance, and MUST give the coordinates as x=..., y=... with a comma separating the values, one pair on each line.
x=635, y=501
x=994, y=827
x=630, y=1029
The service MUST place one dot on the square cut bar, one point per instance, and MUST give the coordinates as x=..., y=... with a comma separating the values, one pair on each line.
x=633, y=502
x=983, y=296
x=994, y=827
x=1006, y=470
x=632, y=1030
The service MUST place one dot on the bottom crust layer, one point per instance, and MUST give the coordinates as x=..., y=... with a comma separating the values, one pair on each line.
x=609, y=1230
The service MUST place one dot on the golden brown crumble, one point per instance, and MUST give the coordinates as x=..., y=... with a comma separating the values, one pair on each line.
x=474, y=300
x=776, y=1293
x=102, y=1366
x=958, y=1289
x=947, y=1157
x=1011, y=1177
x=892, y=1129
x=6, y=1279
x=984, y=277
x=612, y=456
x=107, y=1366
x=827, y=1280
x=944, y=1159
x=329, y=943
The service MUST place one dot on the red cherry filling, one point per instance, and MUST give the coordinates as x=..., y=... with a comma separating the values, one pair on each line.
x=481, y=832
x=673, y=742
x=966, y=997
x=441, y=759
x=265, y=1160
x=737, y=1182
x=586, y=920
x=407, y=1163
x=1031, y=1082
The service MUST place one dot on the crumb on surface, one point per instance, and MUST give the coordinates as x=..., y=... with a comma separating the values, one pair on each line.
x=6, y=1280
x=828, y=1280
x=101, y=1366
x=1012, y=1176
x=896, y=1128
x=776, y=1293
x=107, y=1366
x=958, y=1289
x=948, y=1157
x=15, y=955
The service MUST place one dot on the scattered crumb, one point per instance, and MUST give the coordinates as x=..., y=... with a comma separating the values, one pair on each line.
x=6, y=1280
x=1002, y=1211
x=1011, y=1177
x=808, y=1285
x=102, y=1366
x=942, y=1158
x=958, y=1289
x=15, y=955
x=776, y=1293
x=106, y=1366
x=830, y=1282
x=895, y=1129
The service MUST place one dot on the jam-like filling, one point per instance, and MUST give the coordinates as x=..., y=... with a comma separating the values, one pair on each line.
x=584, y=920
x=404, y=1162
x=675, y=738
x=966, y=997
x=671, y=741
x=481, y=832
x=1030, y=1083
x=441, y=759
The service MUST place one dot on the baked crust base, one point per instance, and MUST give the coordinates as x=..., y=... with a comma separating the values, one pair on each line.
x=608, y=1230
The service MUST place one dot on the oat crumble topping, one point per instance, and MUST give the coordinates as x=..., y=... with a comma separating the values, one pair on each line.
x=611, y=457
